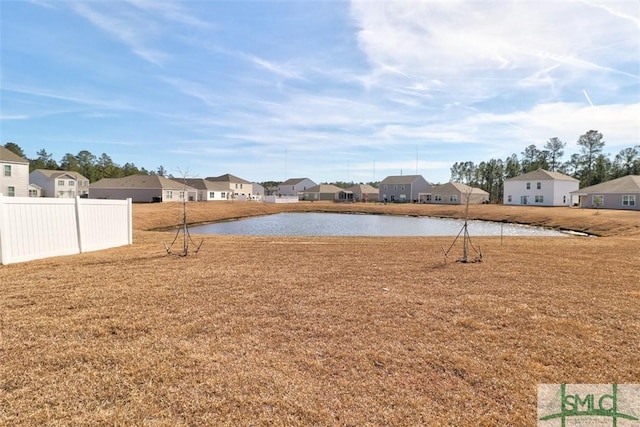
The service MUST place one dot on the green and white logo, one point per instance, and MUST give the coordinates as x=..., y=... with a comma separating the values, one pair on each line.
x=577, y=405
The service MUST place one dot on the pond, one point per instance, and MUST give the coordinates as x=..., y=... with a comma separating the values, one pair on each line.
x=333, y=224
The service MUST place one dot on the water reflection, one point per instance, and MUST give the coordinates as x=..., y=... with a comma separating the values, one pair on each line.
x=333, y=224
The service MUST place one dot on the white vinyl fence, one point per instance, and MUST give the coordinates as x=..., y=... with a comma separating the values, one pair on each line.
x=34, y=228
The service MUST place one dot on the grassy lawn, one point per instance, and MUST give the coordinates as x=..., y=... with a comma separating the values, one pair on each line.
x=324, y=331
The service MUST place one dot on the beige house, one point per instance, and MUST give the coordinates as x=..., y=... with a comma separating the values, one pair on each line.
x=142, y=189
x=65, y=184
x=239, y=188
x=206, y=190
x=14, y=174
x=619, y=193
x=454, y=193
x=364, y=193
x=327, y=192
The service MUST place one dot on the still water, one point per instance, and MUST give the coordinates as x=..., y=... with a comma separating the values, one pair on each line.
x=331, y=224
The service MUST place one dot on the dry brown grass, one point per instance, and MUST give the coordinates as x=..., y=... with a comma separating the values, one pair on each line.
x=301, y=331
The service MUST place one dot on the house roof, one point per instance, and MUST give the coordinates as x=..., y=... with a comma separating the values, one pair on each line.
x=460, y=187
x=363, y=189
x=7, y=155
x=401, y=179
x=294, y=181
x=202, y=184
x=227, y=178
x=542, y=175
x=57, y=173
x=140, y=182
x=326, y=188
x=625, y=184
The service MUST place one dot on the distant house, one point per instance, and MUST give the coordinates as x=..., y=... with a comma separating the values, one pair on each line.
x=364, y=193
x=402, y=188
x=454, y=193
x=620, y=193
x=35, y=190
x=327, y=192
x=65, y=184
x=14, y=174
x=239, y=188
x=207, y=190
x=294, y=187
x=540, y=188
x=142, y=188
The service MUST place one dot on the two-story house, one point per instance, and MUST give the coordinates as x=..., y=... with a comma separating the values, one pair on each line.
x=402, y=188
x=239, y=188
x=60, y=184
x=14, y=174
x=294, y=187
x=540, y=188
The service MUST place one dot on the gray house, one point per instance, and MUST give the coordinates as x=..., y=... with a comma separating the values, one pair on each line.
x=402, y=188
x=620, y=193
x=294, y=186
x=142, y=188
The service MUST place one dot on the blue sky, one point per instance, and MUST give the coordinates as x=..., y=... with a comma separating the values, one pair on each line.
x=329, y=90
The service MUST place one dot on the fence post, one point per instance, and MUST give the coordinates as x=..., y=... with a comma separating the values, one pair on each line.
x=3, y=243
x=78, y=228
x=130, y=220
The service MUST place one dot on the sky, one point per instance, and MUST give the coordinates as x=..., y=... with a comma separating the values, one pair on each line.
x=328, y=90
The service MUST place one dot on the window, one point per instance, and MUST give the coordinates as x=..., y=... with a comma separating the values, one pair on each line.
x=597, y=200
x=453, y=198
x=236, y=185
x=169, y=194
x=428, y=199
x=240, y=185
x=402, y=188
x=72, y=183
x=7, y=170
x=564, y=199
x=437, y=198
x=182, y=195
x=11, y=191
x=538, y=185
x=223, y=195
x=33, y=193
x=539, y=199
x=385, y=187
x=61, y=182
x=629, y=200
x=509, y=198
x=528, y=186
x=212, y=194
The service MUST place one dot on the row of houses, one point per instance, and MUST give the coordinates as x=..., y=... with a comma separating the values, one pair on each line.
x=537, y=188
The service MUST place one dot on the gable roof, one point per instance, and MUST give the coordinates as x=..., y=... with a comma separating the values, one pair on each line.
x=460, y=187
x=140, y=181
x=56, y=174
x=7, y=155
x=294, y=181
x=227, y=178
x=625, y=184
x=542, y=175
x=202, y=184
x=400, y=179
x=326, y=188
x=363, y=189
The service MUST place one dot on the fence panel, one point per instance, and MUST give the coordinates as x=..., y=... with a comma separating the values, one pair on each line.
x=35, y=228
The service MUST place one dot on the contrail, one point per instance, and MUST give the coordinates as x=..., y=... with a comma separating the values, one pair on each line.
x=586, y=95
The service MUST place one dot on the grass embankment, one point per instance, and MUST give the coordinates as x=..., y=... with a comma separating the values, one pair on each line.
x=319, y=331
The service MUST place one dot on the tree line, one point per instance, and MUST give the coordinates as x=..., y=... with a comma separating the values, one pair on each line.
x=92, y=167
x=590, y=165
